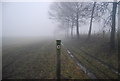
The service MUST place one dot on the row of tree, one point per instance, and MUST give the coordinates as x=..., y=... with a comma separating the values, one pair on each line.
x=73, y=14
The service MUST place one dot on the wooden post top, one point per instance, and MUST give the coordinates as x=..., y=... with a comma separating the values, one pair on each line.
x=58, y=42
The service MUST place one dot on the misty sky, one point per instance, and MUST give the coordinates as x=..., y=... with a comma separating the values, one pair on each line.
x=27, y=19
x=31, y=19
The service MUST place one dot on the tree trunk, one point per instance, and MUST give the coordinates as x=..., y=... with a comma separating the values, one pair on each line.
x=67, y=32
x=103, y=34
x=72, y=30
x=77, y=26
x=118, y=20
x=118, y=29
x=112, y=38
x=90, y=28
x=68, y=28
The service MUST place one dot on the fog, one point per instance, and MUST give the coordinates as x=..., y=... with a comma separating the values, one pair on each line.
x=21, y=19
x=88, y=34
x=30, y=19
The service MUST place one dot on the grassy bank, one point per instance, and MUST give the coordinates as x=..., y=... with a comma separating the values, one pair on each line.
x=98, y=48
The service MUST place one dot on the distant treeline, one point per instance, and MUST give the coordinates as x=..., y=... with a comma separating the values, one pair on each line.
x=71, y=15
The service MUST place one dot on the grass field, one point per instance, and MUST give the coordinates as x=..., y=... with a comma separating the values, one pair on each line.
x=37, y=61
x=96, y=56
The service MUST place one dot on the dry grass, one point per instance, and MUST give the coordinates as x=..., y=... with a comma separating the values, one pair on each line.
x=99, y=48
x=37, y=61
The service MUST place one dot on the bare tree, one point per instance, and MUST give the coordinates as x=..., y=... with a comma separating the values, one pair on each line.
x=74, y=13
x=99, y=10
x=113, y=27
x=90, y=28
x=118, y=19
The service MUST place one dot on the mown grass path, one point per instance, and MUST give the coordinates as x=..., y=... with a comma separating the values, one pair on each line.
x=38, y=61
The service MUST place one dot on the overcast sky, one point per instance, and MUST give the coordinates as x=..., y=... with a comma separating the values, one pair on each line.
x=31, y=19
x=27, y=19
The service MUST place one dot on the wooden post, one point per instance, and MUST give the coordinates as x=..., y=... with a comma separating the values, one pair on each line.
x=58, y=50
